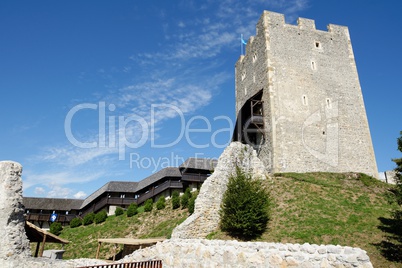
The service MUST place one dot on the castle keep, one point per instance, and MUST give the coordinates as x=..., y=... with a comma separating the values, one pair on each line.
x=299, y=101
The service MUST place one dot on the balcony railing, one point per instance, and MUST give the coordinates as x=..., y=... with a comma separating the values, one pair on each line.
x=46, y=217
x=159, y=189
x=117, y=201
x=194, y=177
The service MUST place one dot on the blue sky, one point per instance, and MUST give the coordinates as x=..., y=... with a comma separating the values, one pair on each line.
x=81, y=79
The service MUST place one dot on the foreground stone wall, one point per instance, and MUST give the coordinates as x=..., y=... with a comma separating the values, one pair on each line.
x=13, y=240
x=14, y=244
x=217, y=253
x=205, y=218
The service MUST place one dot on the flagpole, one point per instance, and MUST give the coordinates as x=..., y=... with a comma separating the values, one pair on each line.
x=241, y=44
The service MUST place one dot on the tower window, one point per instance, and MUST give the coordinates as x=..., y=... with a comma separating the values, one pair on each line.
x=243, y=75
x=255, y=57
x=313, y=65
x=328, y=102
x=305, y=100
x=245, y=90
x=317, y=44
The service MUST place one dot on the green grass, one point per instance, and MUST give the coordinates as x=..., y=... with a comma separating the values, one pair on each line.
x=328, y=208
x=165, y=228
x=84, y=239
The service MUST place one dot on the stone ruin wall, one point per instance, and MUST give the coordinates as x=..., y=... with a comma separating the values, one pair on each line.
x=218, y=253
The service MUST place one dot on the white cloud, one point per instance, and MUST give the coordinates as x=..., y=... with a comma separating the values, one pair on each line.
x=59, y=192
x=80, y=195
x=71, y=156
x=39, y=191
x=53, y=179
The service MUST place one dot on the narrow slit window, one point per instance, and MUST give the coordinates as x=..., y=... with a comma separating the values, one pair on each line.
x=317, y=44
x=304, y=100
x=245, y=90
x=313, y=65
x=243, y=75
x=328, y=101
x=254, y=57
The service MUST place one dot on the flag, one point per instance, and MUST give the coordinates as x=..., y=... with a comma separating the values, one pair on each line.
x=242, y=40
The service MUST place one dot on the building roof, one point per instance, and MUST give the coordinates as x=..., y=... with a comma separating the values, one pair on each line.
x=51, y=203
x=118, y=186
x=166, y=172
x=199, y=163
x=36, y=234
x=111, y=186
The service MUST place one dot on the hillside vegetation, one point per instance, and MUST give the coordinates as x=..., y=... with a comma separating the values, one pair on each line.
x=84, y=239
x=324, y=208
x=329, y=208
x=317, y=208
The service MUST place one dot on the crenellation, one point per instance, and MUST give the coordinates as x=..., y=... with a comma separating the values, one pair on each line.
x=273, y=18
x=306, y=24
x=338, y=29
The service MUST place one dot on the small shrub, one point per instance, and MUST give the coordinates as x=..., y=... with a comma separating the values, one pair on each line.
x=88, y=219
x=56, y=228
x=119, y=211
x=191, y=204
x=132, y=210
x=175, y=200
x=245, y=204
x=75, y=222
x=185, y=198
x=100, y=217
x=148, y=206
x=161, y=203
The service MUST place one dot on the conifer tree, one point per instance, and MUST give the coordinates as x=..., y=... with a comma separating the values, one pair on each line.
x=244, y=212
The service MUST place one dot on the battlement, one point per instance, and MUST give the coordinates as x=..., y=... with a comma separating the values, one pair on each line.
x=271, y=19
x=278, y=19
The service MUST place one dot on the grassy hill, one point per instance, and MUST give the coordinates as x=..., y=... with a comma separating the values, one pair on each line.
x=317, y=208
x=323, y=208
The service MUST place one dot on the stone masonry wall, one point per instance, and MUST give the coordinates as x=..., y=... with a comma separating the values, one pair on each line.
x=217, y=253
x=205, y=218
x=13, y=240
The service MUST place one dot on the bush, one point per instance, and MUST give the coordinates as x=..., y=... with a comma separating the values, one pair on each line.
x=185, y=198
x=132, y=210
x=188, y=192
x=175, y=200
x=245, y=204
x=119, y=211
x=148, y=205
x=88, y=219
x=191, y=204
x=161, y=203
x=75, y=222
x=100, y=217
x=56, y=228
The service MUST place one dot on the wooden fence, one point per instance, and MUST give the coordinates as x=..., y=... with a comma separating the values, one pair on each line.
x=141, y=264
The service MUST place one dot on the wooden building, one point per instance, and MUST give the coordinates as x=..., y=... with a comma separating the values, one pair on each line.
x=192, y=173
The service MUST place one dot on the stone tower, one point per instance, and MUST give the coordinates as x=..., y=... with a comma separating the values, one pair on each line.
x=299, y=101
